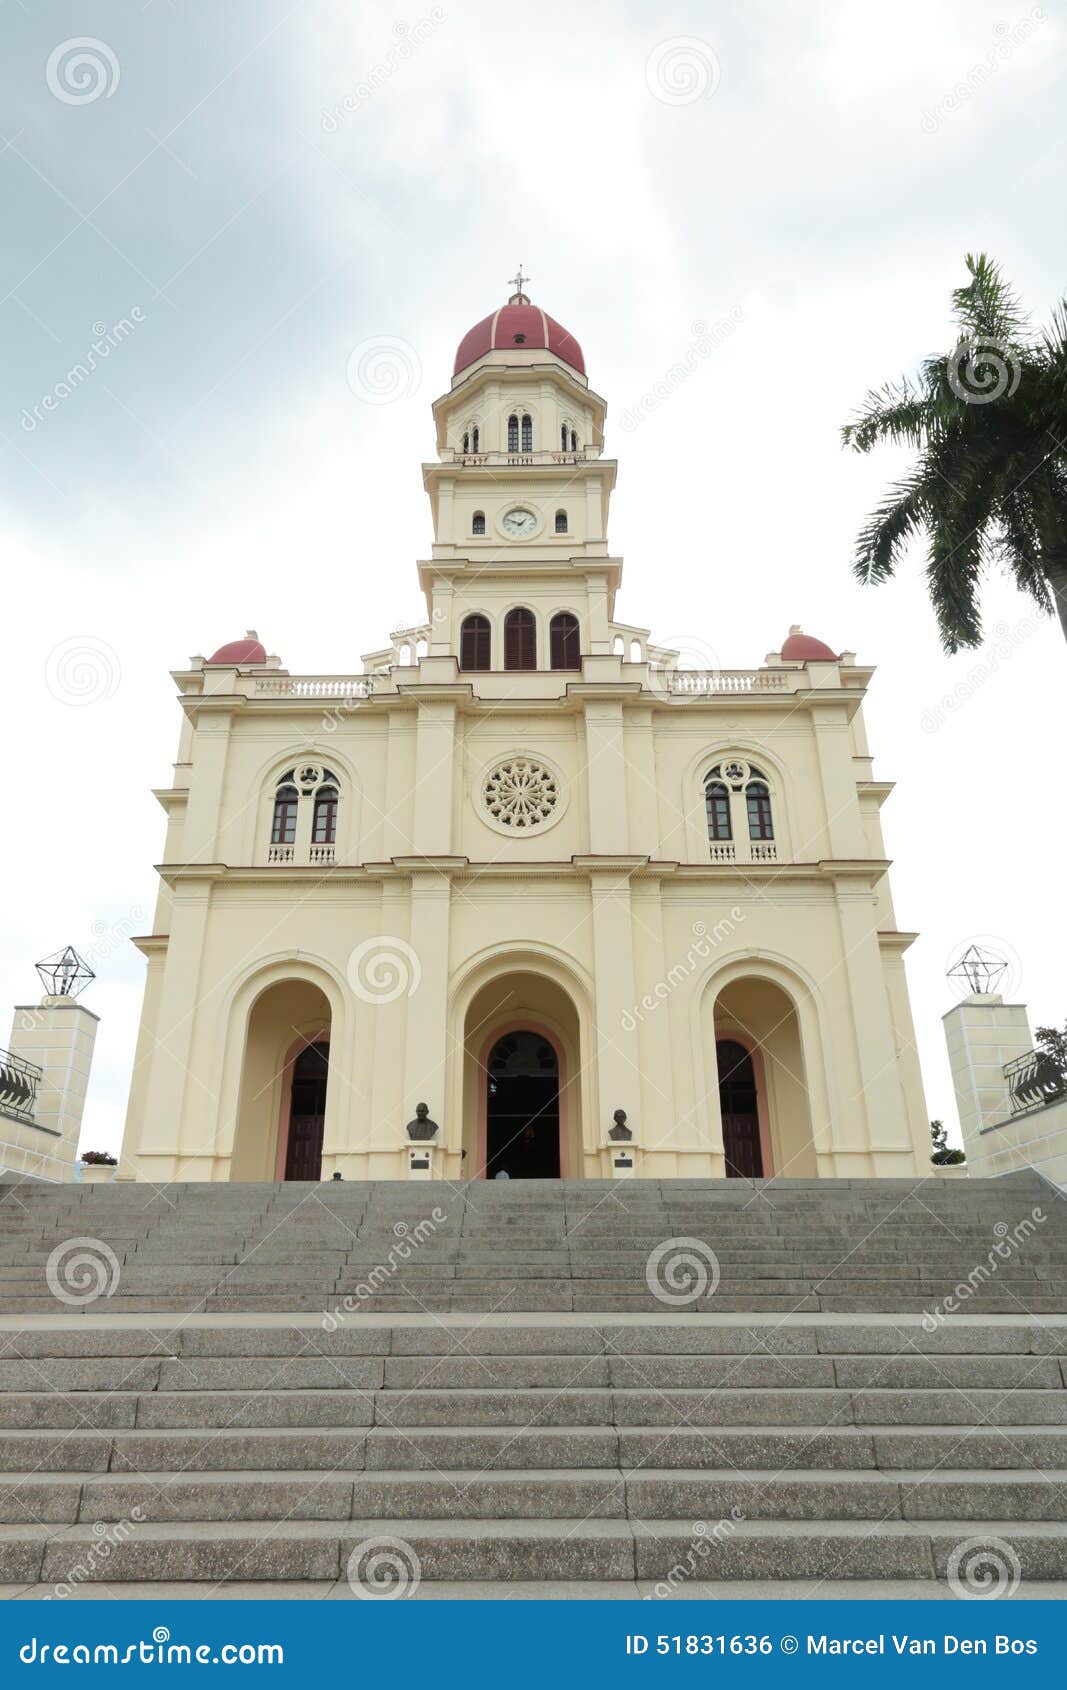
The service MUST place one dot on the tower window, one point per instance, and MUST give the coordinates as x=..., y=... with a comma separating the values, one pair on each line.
x=475, y=637
x=520, y=639
x=565, y=641
x=466, y=443
x=574, y=441
x=527, y=434
x=513, y=434
x=561, y=522
x=324, y=819
x=717, y=801
x=475, y=435
x=283, y=825
x=478, y=523
x=563, y=437
x=758, y=803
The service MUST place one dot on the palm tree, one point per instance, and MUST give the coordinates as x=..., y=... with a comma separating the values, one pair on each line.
x=990, y=481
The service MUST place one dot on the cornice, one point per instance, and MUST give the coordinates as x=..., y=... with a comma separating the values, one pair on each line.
x=580, y=868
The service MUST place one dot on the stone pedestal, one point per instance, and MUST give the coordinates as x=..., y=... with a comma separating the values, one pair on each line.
x=983, y=1033
x=421, y=1160
x=58, y=1036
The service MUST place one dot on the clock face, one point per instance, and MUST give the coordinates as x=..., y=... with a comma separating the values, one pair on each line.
x=520, y=524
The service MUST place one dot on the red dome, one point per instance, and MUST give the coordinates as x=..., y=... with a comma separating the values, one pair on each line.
x=518, y=323
x=804, y=648
x=240, y=652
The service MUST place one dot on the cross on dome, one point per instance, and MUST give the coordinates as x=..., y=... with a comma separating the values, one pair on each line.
x=519, y=297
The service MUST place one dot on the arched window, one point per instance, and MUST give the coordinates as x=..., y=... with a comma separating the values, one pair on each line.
x=565, y=641
x=717, y=802
x=758, y=803
x=466, y=443
x=520, y=639
x=574, y=441
x=527, y=434
x=563, y=437
x=513, y=434
x=283, y=825
x=475, y=643
x=475, y=436
x=324, y=819
x=478, y=523
x=561, y=522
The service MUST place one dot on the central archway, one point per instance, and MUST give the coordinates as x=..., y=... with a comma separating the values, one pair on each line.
x=522, y=1107
x=521, y=1100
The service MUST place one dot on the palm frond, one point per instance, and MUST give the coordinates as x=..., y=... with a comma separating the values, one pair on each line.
x=987, y=309
x=882, y=540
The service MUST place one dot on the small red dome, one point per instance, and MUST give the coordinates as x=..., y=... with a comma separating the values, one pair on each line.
x=518, y=323
x=804, y=648
x=241, y=652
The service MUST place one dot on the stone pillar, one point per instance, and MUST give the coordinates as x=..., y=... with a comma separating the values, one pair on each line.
x=58, y=1036
x=983, y=1033
x=426, y=1044
x=618, y=1059
x=434, y=761
x=606, y=777
x=833, y=745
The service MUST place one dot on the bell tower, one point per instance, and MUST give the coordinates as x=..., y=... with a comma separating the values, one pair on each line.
x=520, y=490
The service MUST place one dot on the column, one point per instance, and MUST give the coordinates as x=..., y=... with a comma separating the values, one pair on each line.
x=434, y=761
x=426, y=1043
x=833, y=745
x=200, y=833
x=618, y=1058
x=606, y=777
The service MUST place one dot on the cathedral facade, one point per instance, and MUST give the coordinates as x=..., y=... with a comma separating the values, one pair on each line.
x=605, y=915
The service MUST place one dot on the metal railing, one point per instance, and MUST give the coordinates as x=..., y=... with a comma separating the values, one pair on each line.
x=19, y=1082
x=1034, y=1080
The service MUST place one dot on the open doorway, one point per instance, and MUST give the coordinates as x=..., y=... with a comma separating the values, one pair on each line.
x=739, y=1105
x=522, y=1107
x=307, y=1112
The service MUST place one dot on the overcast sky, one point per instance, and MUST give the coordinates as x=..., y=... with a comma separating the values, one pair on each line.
x=235, y=197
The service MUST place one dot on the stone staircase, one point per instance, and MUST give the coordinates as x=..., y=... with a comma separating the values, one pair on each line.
x=514, y=1409
x=584, y=1246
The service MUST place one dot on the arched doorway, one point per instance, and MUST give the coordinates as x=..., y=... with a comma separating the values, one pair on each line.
x=761, y=1017
x=283, y=1082
x=522, y=1107
x=739, y=1107
x=307, y=1112
x=544, y=1016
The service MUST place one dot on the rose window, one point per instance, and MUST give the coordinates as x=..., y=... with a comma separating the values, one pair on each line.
x=520, y=794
